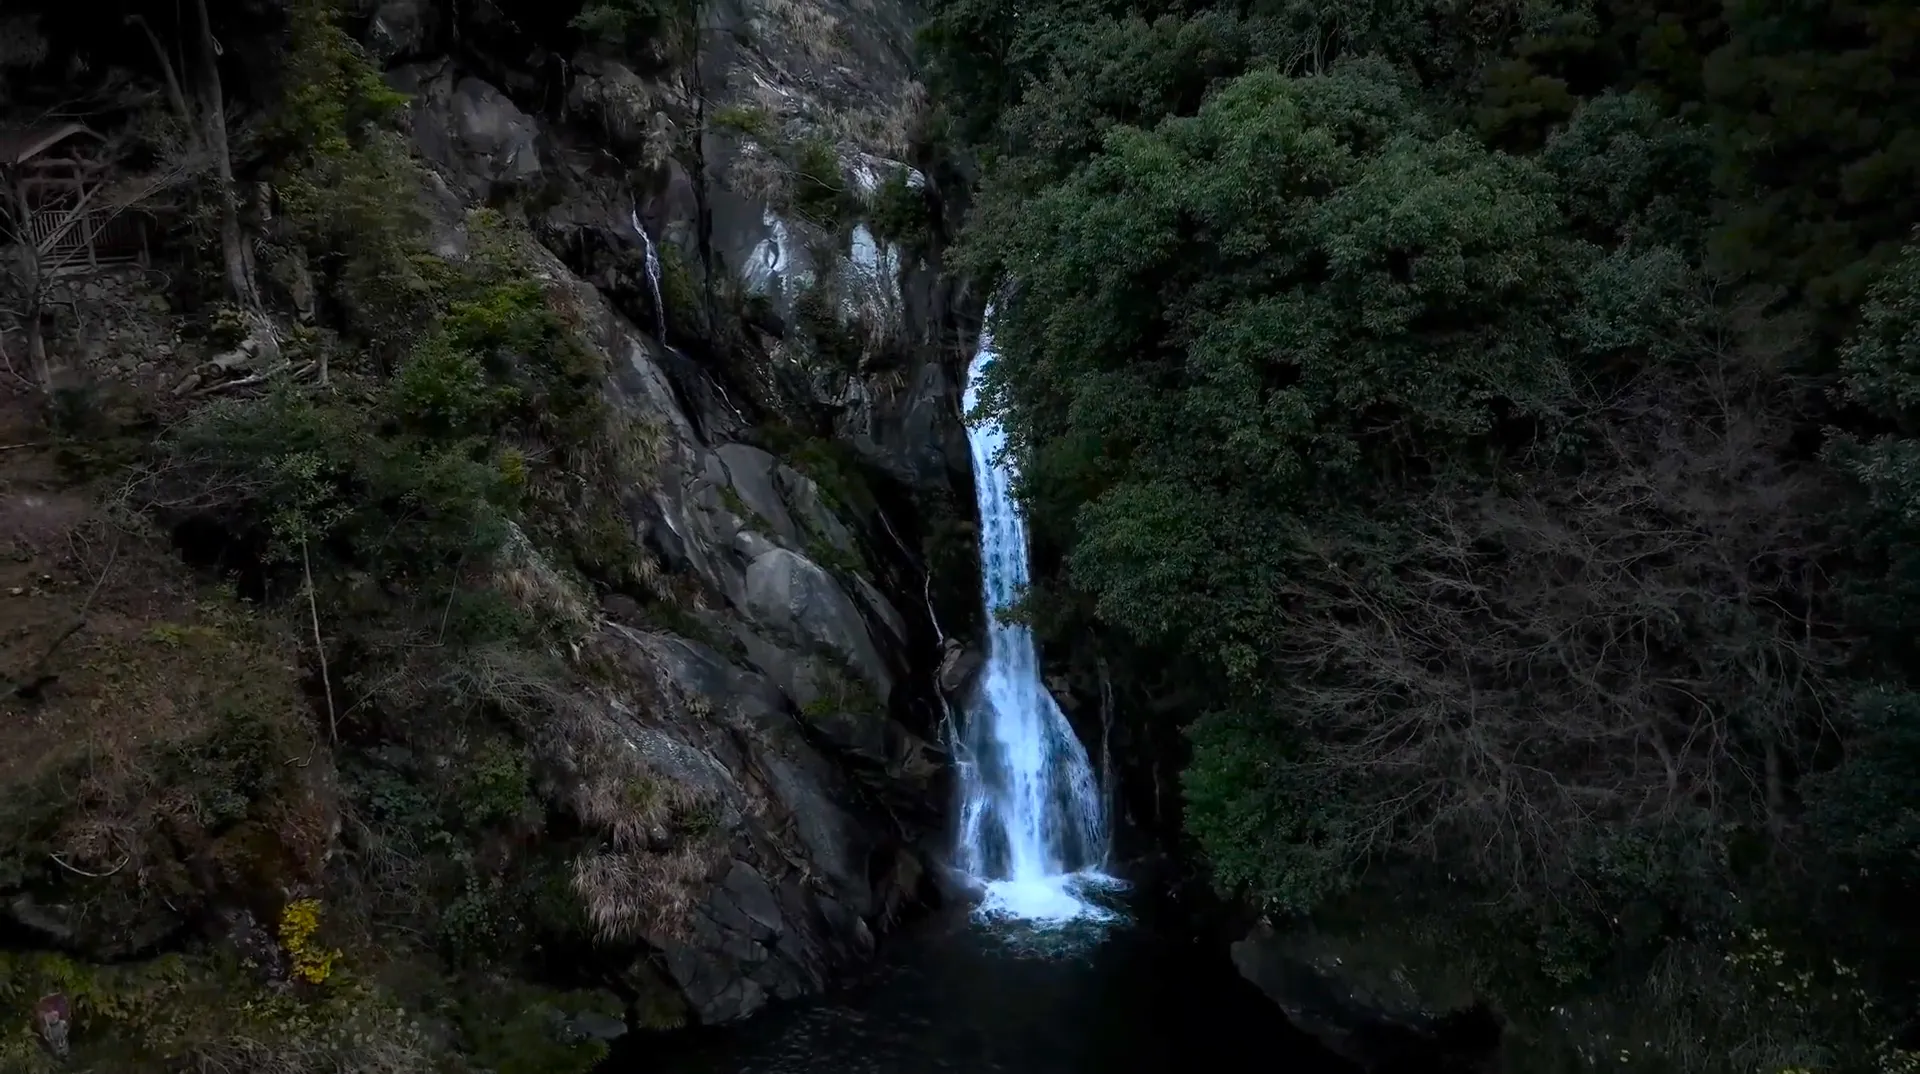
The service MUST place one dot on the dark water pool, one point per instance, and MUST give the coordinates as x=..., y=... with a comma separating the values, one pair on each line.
x=951, y=995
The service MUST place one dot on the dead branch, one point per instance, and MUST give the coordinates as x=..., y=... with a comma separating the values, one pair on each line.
x=62, y=863
x=225, y=386
x=213, y=114
x=319, y=649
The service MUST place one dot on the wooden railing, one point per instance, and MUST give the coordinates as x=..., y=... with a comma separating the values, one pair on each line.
x=98, y=238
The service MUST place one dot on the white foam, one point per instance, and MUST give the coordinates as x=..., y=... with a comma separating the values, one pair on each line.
x=1053, y=900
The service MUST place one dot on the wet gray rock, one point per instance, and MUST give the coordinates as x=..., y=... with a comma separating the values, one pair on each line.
x=592, y=1025
x=401, y=29
x=751, y=473
x=788, y=591
x=471, y=130
x=631, y=113
x=65, y=927
x=959, y=666
x=782, y=901
x=809, y=505
x=919, y=435
x=47, y=923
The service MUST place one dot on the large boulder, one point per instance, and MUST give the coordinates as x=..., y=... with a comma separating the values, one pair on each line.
x=1358, y=998
x=402, y=29
x=481, y=141
x=790, y=592
x=769, y=893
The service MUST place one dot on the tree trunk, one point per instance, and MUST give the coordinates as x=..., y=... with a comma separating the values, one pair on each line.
x=213, y=117
x=37, y=347
x=1776, y=795
x=33, y=291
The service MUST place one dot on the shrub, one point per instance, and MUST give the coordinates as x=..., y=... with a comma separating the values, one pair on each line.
x=748, y=119
x=307, y=960
x=628, y=26
x=901, y=213
x=821, y=194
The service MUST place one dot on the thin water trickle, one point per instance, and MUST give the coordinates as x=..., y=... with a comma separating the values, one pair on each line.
x=653, y=271
x=1033, y=830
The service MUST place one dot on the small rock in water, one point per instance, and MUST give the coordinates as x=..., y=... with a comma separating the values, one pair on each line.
x=958, y=666
x=586, y=1025
x=596, y=1026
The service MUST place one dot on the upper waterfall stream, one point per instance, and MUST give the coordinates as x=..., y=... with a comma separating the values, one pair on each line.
x=653, y=273
x=1033, y=828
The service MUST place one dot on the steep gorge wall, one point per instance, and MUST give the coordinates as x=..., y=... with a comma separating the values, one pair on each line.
x=807, y=491
x=760, y=710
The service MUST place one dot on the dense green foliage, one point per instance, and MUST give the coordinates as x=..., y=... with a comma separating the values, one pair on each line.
x=1442, y=385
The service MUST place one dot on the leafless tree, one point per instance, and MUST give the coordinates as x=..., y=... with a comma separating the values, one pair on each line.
x=1633, y=643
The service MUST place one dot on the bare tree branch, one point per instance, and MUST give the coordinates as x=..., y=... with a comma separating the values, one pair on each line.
x=1637, y=647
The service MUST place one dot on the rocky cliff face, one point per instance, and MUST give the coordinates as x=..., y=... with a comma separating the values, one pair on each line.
x=799, y=708
x=746, y=766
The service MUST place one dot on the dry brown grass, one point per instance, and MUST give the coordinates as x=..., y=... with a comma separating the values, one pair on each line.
x=805, y=24
x=758, y=175
x=628, y=800
x=527, y=579
x=633, y=894
x=146, y=649
x=379, y=1043
x=604, y=756
x=138, y=712
x=886, y=127
x=195, y=1015
x=647, y=881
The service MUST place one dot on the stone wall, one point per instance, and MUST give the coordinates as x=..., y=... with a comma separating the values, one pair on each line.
x=113, y=324
x=116, y=322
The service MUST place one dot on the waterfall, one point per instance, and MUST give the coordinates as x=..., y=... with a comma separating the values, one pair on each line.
x=653, y=271
x=1032, y=825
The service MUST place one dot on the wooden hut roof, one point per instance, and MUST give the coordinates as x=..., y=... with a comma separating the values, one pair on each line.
x=21, y=144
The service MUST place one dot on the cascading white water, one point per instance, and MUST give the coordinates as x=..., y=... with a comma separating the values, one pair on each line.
x=653, y=271
x=1032, y=822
